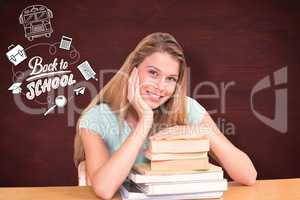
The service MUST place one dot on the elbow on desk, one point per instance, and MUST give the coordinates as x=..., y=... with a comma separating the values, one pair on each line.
x=245, y=177
x=249, y=182
x=247, y=174
x=250, y=179
x=103, y=193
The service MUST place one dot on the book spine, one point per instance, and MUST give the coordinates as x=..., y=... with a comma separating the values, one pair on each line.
x=172, y=165
x=194, y=187
x=206, y=176
x=175, y=156
x=181, y=146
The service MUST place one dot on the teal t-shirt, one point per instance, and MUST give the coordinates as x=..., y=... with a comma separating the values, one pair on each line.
x=104, y=122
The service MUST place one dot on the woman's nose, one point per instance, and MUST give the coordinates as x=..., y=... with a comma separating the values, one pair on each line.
x=161, y=84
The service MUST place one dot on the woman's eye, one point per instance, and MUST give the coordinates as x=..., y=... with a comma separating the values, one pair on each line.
x=172, y=79
x=152, y=72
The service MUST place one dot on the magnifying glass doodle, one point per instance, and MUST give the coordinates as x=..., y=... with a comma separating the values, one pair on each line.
x=60, y=101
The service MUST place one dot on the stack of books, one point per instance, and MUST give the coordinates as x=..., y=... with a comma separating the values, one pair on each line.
x=179, y=154
x=178, y=168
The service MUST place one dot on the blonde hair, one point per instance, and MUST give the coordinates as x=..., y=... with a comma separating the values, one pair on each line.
x=173, y=112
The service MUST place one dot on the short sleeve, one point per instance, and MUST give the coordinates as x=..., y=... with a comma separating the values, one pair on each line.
x=96, y=119
x=195, y=111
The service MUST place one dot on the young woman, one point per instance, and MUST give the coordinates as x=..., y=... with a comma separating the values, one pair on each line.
x=146, y=98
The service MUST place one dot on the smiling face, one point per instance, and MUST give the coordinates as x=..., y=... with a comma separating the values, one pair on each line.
x=158, y=74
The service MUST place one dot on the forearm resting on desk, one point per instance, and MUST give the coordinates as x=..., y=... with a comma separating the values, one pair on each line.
x=107, y=178
x=236, y=163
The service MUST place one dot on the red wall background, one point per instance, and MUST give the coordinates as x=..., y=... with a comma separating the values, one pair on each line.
x=240, y=41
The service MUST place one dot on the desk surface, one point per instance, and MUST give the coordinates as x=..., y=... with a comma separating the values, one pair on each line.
x=286, y=189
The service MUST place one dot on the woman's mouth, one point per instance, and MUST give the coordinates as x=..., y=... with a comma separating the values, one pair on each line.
x=153, y=96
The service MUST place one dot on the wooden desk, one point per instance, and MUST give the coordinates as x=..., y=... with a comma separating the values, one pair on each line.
x=279, y=189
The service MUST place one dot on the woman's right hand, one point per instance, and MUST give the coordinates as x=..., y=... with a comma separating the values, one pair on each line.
x=143, y=110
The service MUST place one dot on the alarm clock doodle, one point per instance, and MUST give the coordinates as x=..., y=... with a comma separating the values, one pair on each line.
x=41, y=76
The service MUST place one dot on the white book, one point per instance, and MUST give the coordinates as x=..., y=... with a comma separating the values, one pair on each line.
x=179, y=146
x=129, y=191
x=174, y=156
x=142, y=174
x=201, y=176
x=182, y=188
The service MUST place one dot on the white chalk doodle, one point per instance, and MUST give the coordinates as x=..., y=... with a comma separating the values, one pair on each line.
x=16, y=54
x=36, y=20
x=65, y=43
x=45, y=77
x=79, y=91
x=15, y=88
x=87, y=71
x=60, y=101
